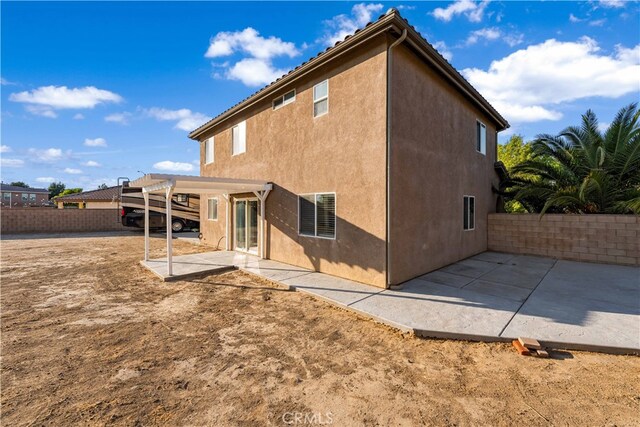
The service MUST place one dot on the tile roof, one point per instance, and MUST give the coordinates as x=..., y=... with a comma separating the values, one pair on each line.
x=102, y=195
x=391, y=11
x=18, y=189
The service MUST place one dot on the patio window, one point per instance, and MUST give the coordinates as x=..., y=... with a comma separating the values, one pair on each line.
x=321, y=98
x=317, y=215
x=481, y=137
x=208, y=150
x=212, y=209
x=239, y=138
x=285, y=99
x=469, y=215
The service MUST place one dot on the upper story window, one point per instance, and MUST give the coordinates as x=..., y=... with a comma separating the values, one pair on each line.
x=239, y=138
x=469, y=214
x=6, y=196
x=481, y=137
x=285, y=99
x=321, y=98
x=208, y=150
x=25, y=197
x=317, y=215
x=32, y=197
x=183, y=198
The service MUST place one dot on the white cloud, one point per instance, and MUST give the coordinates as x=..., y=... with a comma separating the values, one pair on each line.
x=254, y=72
x=78, y=117
x=45, y=99
x=72, y=171
x=5, y=82
x=48, y=155
x=11, y=163
x=405, y=7
x=343, y=25
x=444, y=50
x=484, y=33
x=168, y=165
x=527, y=84
x=474, y=11
x=249, y=41
x=574, y=19
x=96, y=142
x=45, y=179
x=5, y=149
x=612, y=3
x=122, y=118
x=185, y=119
x=597, y=22
x=92, y=164
x=257, y=68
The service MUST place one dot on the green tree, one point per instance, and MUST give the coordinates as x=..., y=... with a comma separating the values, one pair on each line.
x=55, y=188
x=20, y=184
x=513, y=153
x=103, y=186
x=584, y=170
x=70, y=191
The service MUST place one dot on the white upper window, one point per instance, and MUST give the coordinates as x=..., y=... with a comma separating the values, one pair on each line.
x=239, y=138
x=321, y=98
x=285, y=99
x=481, y=137
x=209, y=145
x=469, y=213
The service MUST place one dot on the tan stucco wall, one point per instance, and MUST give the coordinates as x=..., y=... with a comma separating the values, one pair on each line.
x=342, y=152
x=434, y=164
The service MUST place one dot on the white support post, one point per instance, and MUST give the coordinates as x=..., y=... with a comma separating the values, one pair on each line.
x=227, y=219
x=145, y=194
x=262, y=196
x=169, y=194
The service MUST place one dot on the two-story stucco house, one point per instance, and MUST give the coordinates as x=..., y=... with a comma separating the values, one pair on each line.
x=381, y=156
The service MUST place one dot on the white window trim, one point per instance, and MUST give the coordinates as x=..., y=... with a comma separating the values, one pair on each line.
x=217, y=205
x=284, y=102
x=318, y=100
x=213, y=150
x=474, y=212
x=484, y=153
x=242, y=133
x=315, y=215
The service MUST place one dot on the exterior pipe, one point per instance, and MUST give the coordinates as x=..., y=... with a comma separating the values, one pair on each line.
x=403, y=36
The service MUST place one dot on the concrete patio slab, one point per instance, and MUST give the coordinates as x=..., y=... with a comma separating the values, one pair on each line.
x=491, y=297
x=444, y=278
x=498, y=289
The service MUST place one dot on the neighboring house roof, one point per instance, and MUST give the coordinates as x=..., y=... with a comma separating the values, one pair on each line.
x=388, y=21
x=18, y=189
x=107, y=195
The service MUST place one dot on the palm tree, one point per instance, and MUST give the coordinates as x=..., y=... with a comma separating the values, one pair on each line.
x=583, y=170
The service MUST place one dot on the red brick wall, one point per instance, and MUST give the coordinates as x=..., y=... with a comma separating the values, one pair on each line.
x=50, y=220
x=597, y=238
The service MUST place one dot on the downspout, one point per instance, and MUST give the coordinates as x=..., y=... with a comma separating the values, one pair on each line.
x=403, y=36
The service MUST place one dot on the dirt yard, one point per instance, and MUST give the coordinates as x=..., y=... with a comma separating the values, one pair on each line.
x=90, y=337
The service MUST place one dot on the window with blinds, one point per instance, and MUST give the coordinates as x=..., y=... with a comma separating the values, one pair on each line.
x=469, y=214
x=321, y=98
x=317, y=215
x=481, y=137
x=208, y=150
x=239, y=138
x=212, y=209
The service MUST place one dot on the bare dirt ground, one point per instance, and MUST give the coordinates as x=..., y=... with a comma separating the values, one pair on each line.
x=89, y=337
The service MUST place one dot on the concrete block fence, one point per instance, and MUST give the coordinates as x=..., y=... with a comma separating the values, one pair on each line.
x=49, y=220
x=613, y=239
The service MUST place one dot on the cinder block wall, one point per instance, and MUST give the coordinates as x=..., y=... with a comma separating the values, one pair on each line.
x=49, y=220
x=596, y=238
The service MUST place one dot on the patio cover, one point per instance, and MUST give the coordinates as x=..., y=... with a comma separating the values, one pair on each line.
x=168, y=184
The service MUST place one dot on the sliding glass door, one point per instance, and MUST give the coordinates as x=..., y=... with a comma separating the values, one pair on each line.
x=246, y=225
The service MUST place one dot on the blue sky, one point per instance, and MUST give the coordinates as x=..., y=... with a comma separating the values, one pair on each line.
x=92, y=91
